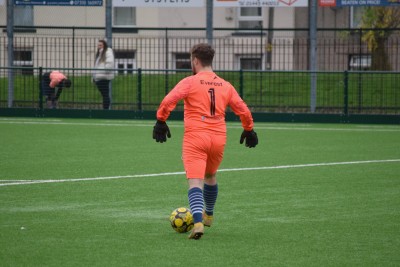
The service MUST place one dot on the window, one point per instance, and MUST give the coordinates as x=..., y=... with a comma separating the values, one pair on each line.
x=125, y=61
x=23, y=58
x=124, y=16
x=249, y=62
x=360, y=62
x=356, y=13
x=23, y=15
x=250, y=18
x=182, y=61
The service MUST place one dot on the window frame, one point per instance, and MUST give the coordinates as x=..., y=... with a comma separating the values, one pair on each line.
x=123, y=26
x=354, y=24
x=124, y=61
x=23, y=15
x=240, y=57
x=250, y=18
x=182, y=60
x=24, y=63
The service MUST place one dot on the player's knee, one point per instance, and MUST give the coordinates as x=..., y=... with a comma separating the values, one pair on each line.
x=210, y=178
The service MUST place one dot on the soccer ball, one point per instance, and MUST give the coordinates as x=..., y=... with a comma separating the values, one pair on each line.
x=181, y=220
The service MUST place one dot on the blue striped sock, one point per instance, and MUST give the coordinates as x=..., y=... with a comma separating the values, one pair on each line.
x=196, y=203
x=210, y=197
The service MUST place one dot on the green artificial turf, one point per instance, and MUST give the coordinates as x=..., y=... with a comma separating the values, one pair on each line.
x=313, y=195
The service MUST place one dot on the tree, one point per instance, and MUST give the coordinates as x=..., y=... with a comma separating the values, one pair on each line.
x=378, y=22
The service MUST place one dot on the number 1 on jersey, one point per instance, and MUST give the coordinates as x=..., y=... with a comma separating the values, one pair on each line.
x=212, y=103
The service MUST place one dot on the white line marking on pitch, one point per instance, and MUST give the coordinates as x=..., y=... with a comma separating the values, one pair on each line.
x=24, y=182
x=174, y=124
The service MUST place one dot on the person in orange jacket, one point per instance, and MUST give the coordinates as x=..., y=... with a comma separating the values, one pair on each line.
x=52, y=85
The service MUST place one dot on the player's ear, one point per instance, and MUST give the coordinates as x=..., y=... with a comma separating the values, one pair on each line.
x=195, y=61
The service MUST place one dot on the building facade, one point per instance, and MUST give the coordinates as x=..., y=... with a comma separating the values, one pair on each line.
x=257, y=38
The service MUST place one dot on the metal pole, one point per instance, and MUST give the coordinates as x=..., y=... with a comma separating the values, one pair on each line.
x=346, y=94
x=10, y=51
x=313, y=54
x=166, y=61
x=359, y=71
x=139, y=92
x=241, y=83
x=271, y=12
x=40, y=89
x=109, y=37
x=210, y=21
x=109, y=22
x=73, y=61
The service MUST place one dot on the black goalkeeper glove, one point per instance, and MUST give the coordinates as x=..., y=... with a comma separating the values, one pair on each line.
x=161, y=131
x=251, y=138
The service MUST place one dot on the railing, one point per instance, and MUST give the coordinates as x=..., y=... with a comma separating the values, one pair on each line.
x=348, y=92
x=168, y=48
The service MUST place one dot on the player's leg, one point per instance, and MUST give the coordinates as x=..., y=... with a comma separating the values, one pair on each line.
x=194, y=159
x=50, y=97
x=104, y=88
x=210, y=190
x=196, y=203
x=46, y=90
x=195, y=196
x=49, y=102
x=210, y=194
x=57, y=93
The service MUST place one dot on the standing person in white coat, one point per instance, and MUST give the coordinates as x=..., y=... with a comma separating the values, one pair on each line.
x=104, y=71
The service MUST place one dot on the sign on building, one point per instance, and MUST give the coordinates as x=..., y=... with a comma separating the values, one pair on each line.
x=260, y=3
x=59, y=2
x=342, y=3
x=159, y=3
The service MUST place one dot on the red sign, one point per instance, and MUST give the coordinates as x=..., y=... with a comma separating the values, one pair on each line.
x=327, y=2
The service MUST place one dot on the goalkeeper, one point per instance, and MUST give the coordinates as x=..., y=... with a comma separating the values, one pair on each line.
x=206, y=97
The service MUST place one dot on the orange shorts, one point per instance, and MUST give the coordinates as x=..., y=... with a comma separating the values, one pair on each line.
x=202, y=153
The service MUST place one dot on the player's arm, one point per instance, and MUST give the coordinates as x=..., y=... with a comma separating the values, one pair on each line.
x=55, y=79
x=179, y=92
x=240, y=108
x=161, y=130
x=109, y=64
x=53, y=83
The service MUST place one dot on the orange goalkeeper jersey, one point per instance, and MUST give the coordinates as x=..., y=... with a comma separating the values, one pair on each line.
x=206, y=97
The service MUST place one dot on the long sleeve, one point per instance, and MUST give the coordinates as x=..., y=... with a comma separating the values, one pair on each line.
x=206, y=97
x=55, y=78
x=109, y=64
x=169, y=102
x=240, y=108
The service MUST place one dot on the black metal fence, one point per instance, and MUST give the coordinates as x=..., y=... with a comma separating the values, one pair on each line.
x=348, y=92
x=167, y=48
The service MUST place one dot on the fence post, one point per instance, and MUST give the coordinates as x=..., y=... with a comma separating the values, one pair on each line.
x=40, y=89
x=10, y=51
x=139, y=92
x=346, y=94
x=73, y=62
x=241, y=83
x=166, y=61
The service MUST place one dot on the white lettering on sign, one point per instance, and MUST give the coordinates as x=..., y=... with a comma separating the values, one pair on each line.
x=159, y=3
x=261, y=3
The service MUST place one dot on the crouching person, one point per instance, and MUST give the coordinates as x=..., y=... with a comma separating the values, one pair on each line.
x=52, y=85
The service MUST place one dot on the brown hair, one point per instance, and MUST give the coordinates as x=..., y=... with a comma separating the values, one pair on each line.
x=204, y=53
x=103, y=53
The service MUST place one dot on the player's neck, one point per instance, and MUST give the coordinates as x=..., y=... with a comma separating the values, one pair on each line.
x=205, y=69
